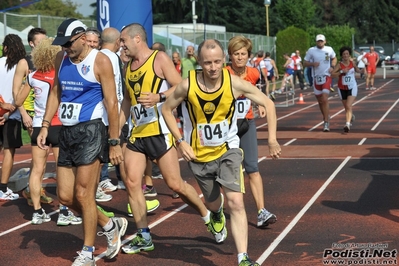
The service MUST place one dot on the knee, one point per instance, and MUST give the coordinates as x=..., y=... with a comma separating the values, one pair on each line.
x=236, y=203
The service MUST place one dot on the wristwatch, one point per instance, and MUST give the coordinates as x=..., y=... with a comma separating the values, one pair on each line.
x=162, y=97
x=114, y=142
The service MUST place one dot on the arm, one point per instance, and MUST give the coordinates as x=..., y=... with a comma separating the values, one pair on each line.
x=21, y=71
x=241, y=87
x=337, y=71
x=104, y=74
x=21, y=95
x=275, y=68
x=170, y=104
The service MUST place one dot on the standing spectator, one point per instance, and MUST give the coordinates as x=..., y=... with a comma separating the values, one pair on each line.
x=93, y=38
x=371, y=59
x=322, y=59
x=12, y=62
x=150, y=137
x=176, y=61
x=298, y=69
x=215, y=160
x=239, y=47
x=189, y=62
x=346, y=71
x=84, y=88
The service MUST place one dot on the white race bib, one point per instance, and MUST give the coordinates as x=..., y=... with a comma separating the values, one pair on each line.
x=242, y=107
x=213, y=134
x=142, y=115
x=320, y=80
x=349, y=80
x=69, y=113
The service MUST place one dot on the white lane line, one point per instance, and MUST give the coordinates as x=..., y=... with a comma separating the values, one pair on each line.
x=283, y=234
x=383, y=117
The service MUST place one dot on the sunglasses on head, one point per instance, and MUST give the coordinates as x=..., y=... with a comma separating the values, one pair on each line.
x=70, y=43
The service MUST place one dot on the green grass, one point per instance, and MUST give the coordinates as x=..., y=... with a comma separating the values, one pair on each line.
x=25, y=137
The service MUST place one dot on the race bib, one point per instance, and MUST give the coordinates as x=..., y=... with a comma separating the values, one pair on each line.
x=142, y=115
x=69, y=113
x=320, y=80
x=348, y=80
x=242, y=107
x=213, y=134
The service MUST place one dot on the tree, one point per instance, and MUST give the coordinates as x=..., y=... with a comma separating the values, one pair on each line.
x=295, y=13
x=58, y=8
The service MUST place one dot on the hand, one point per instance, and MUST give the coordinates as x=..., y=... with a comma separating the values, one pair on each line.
x=274, y=150
x=8, y=106
x=148, y=99
x=186, y=151
x=41, y=138
x=27, y=120
x=115, y=155
x=2, y=120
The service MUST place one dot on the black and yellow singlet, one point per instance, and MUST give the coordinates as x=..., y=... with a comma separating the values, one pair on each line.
x=147, y=121
x=210, y=125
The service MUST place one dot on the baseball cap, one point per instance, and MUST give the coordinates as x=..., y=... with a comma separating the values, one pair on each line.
x=67, y=29
x=293, y=54
x=320, y=37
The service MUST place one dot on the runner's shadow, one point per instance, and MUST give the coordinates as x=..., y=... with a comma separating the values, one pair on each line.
x=50, y=243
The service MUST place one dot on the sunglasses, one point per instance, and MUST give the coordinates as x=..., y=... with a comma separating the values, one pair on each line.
x=70, y=43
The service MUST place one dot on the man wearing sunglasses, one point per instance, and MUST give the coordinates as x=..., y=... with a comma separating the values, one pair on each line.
x=85, y=95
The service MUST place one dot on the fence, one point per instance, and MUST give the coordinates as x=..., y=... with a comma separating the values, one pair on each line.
x=174, y=38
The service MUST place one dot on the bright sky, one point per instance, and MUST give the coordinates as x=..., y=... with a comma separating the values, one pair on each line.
x=84, y=7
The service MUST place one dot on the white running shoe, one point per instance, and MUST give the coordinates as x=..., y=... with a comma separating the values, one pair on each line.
x=107, y=186
x=121, y=185
x=69, y=219
x=8, y=195
x=40, y=218
x=101, y=196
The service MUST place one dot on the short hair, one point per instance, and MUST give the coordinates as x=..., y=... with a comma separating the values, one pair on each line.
x=260, y=53
x=345, y=48
x=35, y=31
x=158, y=46
x=238, y=42
x=267, y=54
x=209, y=44
x=93, y=30
x=134, y=29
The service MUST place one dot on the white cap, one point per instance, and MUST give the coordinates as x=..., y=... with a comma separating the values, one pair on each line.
x=293, y=54
x=320, y=37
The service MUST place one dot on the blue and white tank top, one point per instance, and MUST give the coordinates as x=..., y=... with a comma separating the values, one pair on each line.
x=82, y=96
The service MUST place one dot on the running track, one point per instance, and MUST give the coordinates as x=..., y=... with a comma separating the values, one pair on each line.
x=327, y=188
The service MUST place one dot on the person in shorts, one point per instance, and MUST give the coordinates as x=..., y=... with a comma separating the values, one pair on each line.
x=212, y=146
x=371, y=59
x=84, y=93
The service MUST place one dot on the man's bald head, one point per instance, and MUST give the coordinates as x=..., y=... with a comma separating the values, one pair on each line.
x=209, y=44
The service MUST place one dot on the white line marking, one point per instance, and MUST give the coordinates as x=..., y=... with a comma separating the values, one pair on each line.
x=383, y=117
x=283, y=234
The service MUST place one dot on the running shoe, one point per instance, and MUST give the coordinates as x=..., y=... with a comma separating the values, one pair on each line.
x=43, y=196
x=246, y=261
x=160, y=176
x=217, y=224
x=121, y=185
x=347, y=128
x=265, y=218
x=152, y=205
x=114, y=236
x=272, y=97
x=150, y=192
x=82, y=260
x=40, y=218
x=353, y=118
x=326, y=127
x=68, y=219
x=138, y=244
x=175, y=195
x=8, y=195
x=108, y=214
x=101, y=196
x=107, y=186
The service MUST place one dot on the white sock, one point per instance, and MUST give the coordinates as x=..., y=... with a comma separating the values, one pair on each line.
x=109, y=225
x=241, y=256
x=207, y=217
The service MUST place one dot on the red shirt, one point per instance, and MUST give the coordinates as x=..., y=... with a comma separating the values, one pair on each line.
x=178, y=67
x=371, y=58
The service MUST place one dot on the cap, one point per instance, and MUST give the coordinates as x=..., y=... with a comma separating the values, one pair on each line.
x=67, y=29
x=293, y=54
x=320, y=37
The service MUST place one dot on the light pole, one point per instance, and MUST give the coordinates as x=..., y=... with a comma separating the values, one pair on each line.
x=194, y=16
x=267, y=4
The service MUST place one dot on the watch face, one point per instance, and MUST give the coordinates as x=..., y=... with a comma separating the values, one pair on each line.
x=113, y=142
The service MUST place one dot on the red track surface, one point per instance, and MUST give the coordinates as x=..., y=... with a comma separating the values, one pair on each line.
x=327, y=188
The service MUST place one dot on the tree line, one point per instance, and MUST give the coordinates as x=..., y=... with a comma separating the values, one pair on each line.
x=372, y=20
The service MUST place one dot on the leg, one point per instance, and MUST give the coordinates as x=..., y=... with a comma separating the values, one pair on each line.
x=170, y=169
x=322, y=99
x=39, y=159
x=8, y=162
x=348, y=108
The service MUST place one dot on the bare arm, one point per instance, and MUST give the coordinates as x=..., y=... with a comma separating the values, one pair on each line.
x=21, y=95
x=21, y=71
x=241, y=87
x=275, y=68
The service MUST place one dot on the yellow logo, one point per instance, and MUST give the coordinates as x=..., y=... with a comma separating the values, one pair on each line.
x=209, y=108
x=137, y=88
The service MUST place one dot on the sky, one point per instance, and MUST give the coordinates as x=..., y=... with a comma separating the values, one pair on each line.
x=84, y=7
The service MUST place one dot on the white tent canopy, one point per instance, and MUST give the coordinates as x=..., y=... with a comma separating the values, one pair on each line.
x=7, y=30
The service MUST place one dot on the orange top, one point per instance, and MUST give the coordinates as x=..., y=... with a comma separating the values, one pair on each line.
x=252, y=76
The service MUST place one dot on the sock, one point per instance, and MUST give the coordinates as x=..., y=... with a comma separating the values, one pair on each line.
x=87, y=251
x=241, y=256
x=145, y=232
x=39, y=211
x=221, y=205
x=149, y=187
x=109, y=226
x=207, y=217
x=3, y=187
x=63, y=210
